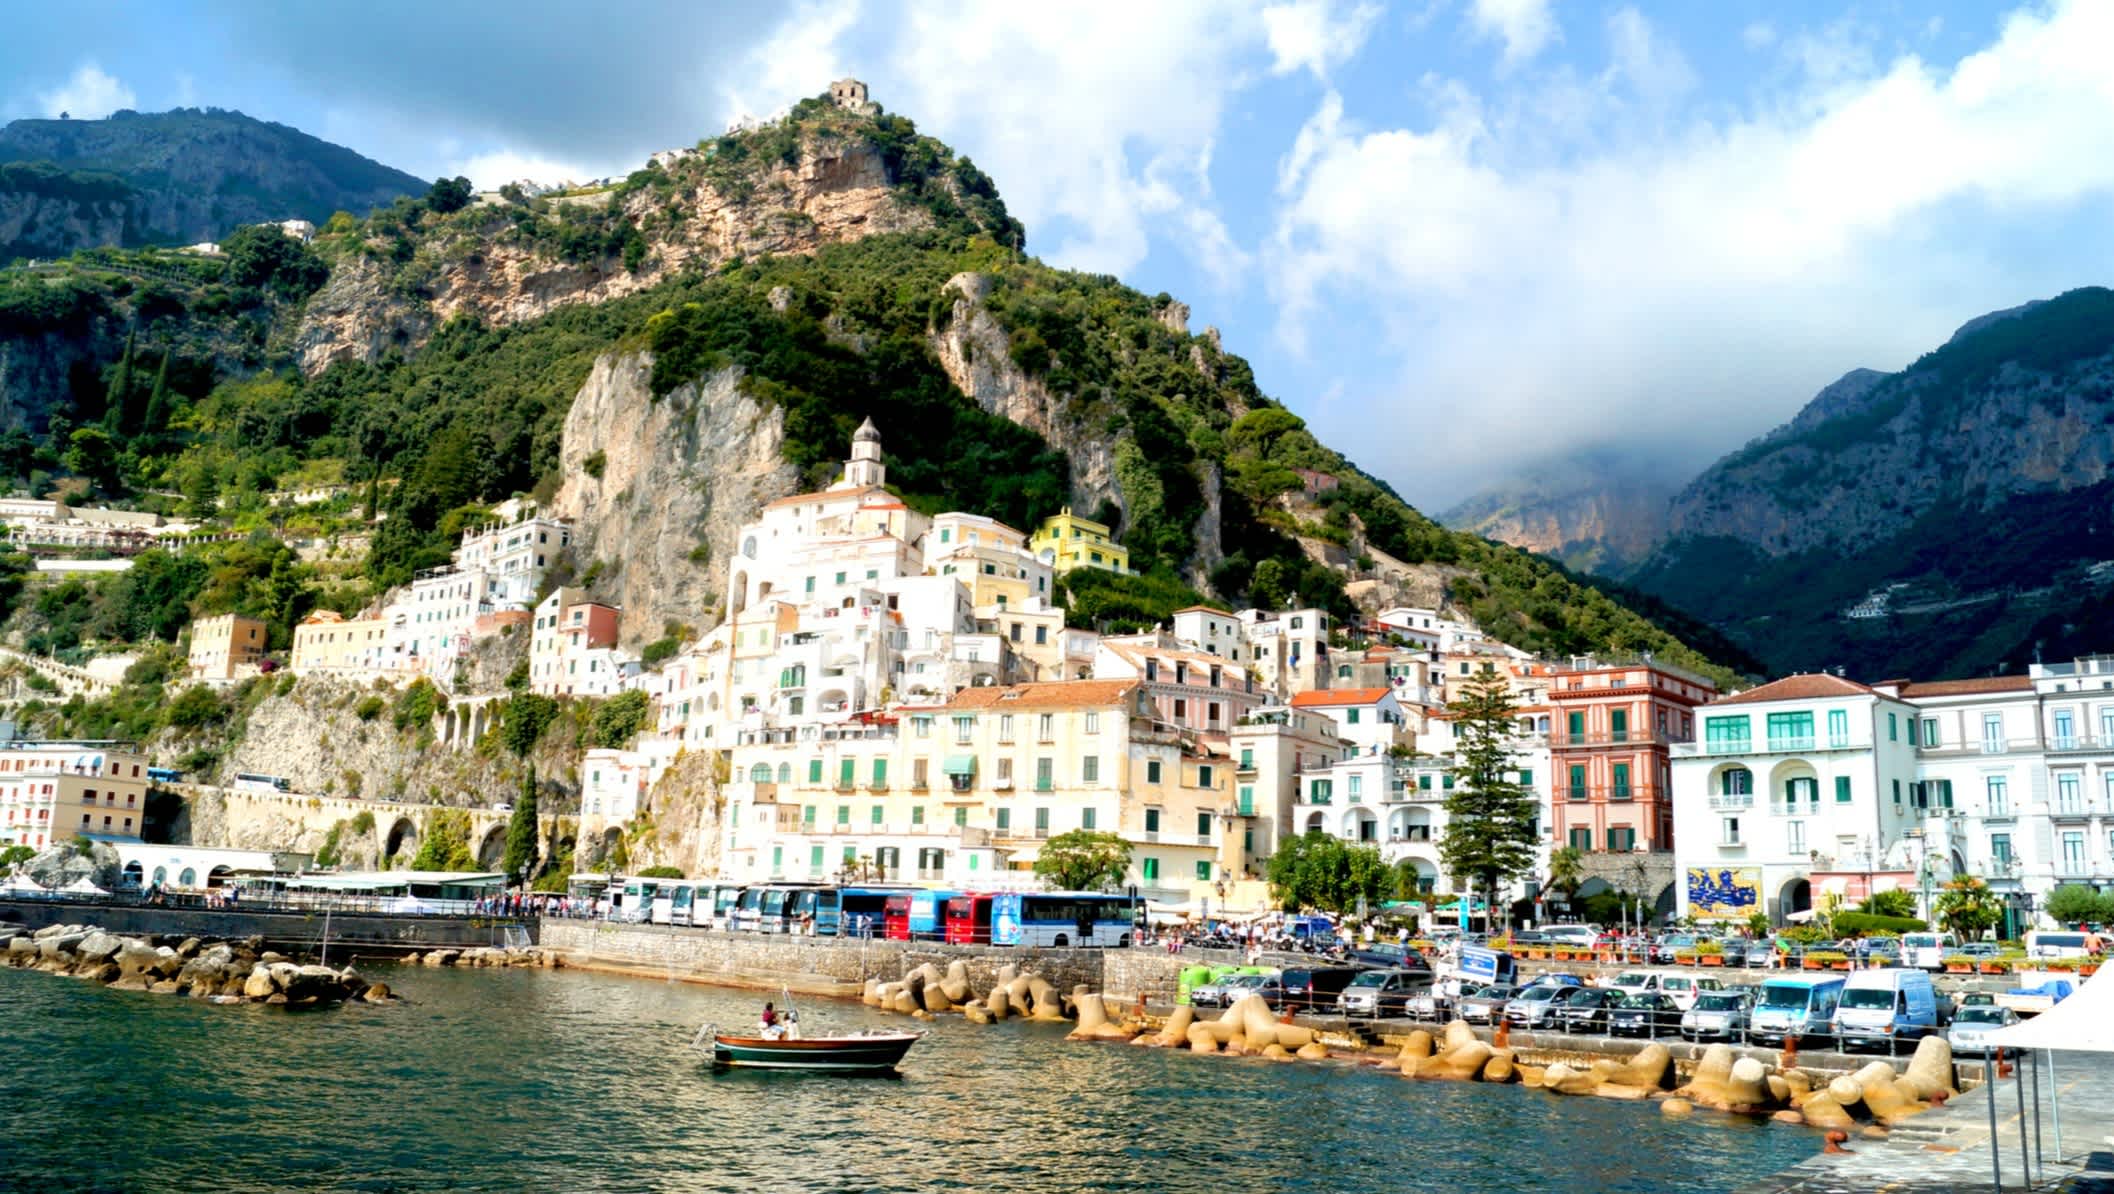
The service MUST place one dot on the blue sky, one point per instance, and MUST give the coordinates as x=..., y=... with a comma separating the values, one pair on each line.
x=1469, y=240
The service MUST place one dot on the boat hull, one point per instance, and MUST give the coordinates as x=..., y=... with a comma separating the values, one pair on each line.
x=842, y=1054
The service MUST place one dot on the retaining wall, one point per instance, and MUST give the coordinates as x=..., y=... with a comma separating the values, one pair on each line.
x=355, y=932
x=747, y=959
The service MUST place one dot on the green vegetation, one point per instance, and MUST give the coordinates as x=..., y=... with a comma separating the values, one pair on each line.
x=619, y=719
x=2075, y=904
x=520, y=861
x=445, y=843
x=1095, y=597
x=1328, y=874
x=418, y=705
x=1491, y=829
x=1083, y=860
x=1866, y=924
x=662, y=872
x=1895, y=903
x=1969, y=908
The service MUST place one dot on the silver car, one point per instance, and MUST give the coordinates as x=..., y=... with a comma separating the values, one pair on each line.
x=1537, y=1007
x=1717, y=1016
x=1226, y=991
x=1974, y=1023
x=1485, y=1005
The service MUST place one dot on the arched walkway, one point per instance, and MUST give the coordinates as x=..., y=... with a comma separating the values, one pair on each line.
x=402, y=839
x=491, y=852
x=1796, y=895
x=217, y=876
x=1360, y=825
x=133, y=874
x=1316, y=822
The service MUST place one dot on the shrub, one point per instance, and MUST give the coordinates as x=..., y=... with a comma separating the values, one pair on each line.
x=595, y=463
x=418, y=705
x=369, y=708
x=195, y=708
x=1860, y=924
x=662, y=872
x=659, y=652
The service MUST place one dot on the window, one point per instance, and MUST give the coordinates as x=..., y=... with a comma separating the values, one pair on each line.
x=1090, y=769
x=1352, y=717
x=1042, y=636
x=1915, y=735
x=2000, y=848
x=1941, y=792
x=1526, y=777
x=1578, y=781
x=1247, y=800
x=1357, y=787
x=846, y=769
x=1999, y=789
x=1045, y=774
x=1621, y=787
x=918, y=772
x=875, y=816
x=1622, y=838
x=1086, y=818
x=1930, y=731
x=1574, y=722
x=1424, y=783
x=1842, y=789
x=2073, y=853
x=1795, y=836
x=1150, y=869
x=2069, y=794
x=1005, y=819
x=807, y=816
x=1581, y=839
x=1152, y=771
x=880, y=773
x=1203, y=826
x=917, y=814
x=1804, y=788
x=1893, y=726
x=1042, y=822
x=1319, y=791
x=1005, y=727
x=844, y=814
x=961, y=817
x=1203, y=777
x=1618, y=727
x=1046, y=727
x=962, y=728
x=2065, y=730
x=1726, y=735
x=1790, y=731
x=1729, y=834
x=1093, y=723
x=1992, y=733
x=814, y=859
x=921, y=726
x=1897, y=791
x=1152, y=820
x=1181, y=708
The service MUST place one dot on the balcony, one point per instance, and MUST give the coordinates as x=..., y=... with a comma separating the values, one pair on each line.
x=1984, y=746
x=1794, y=808
x=2077, y=744
x=1731, y=844
x=1770, y=746
x=1560, y=739
x=2071, y=810
x=1732, y=800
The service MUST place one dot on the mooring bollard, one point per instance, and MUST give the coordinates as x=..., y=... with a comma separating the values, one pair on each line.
x=1790, y=1056
x=1835, y=1141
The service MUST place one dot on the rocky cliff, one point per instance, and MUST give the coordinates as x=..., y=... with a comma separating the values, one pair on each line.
x=1594, y=524
x=657, y=488
x=38, y=225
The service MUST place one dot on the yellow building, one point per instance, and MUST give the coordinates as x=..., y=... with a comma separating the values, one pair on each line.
x=54, y=791
x=1068, y=541
x=955, y=792
x=224, y=644
x=327, y=640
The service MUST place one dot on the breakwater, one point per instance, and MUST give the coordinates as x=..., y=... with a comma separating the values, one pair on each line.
x=222, y=971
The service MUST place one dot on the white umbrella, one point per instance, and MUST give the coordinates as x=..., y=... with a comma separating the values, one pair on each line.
x=23, y=884
x=82, y=886
x=2084, y=1021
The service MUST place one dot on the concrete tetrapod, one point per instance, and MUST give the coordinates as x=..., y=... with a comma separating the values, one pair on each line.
x=956, y=983
x=1884, y=1098
x=1706, y=1087
x=1748, y=1089
x=1094, y=1024
x=1175, y=1032
x=1930, y=1071
x=1414, y=1051
x=1260, y=1027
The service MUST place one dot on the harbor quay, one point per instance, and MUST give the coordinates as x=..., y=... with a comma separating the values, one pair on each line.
x=365, y=932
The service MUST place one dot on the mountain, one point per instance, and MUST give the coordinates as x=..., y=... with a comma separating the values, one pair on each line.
x=1594, y=515
x=657, y=358
x=174, y=177
x=1949, y=519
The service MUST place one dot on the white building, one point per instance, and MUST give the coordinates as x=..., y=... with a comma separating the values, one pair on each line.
x=1800, y=790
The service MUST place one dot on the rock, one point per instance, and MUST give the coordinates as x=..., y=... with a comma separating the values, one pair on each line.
x=1277, y=1052
x=1874, y=1132
x=272, y=958
x=1800, y=1082
x=976, y=1013
x=1416, y=1048
x=1094, y=1024
x=189, y=949
x=441, y=957
x=1676, y=1108
x=276, y=997
x=1457, y=1035
x=1312, y=1051
x=1749, y=1087
x=1649, y=1069
x=1500, y=1068
x=1846, y=1091
x=99, y=946
x=1201, y=1040
x=955, y=984
x=1931, y=1068
x=1779, y=1090
x=57, y=866
x=1788, y=1116
x=259, y=985
x=167, y=986
x=1825, y=1114
x=1530, y=1075
x=1616, y=1090
x=377, y=993
x=1464, y=1063
x=60, y=946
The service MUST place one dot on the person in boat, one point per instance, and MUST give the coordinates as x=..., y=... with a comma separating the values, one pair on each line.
x=773, y=1027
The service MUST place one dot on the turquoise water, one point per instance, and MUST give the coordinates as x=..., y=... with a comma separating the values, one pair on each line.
x=565, y=1081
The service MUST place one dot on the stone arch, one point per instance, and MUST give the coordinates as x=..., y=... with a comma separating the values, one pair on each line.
x=217, y=876
x=1317, y=821
x=1796, y=895
x=1731, y=779
x=1409, y=825
x=479, y=722
x=402, y=838
x=491, y=849
x=1360, y=825
x=189, y=878
x=1427, y=873
x=1791, y=771
x=161, y=875
x=785, y=773
x=134, y=872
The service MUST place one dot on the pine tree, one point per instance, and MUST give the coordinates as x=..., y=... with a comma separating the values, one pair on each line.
x=1490, y=831
x=521, y=842
x=120, y=392
x=157, y=417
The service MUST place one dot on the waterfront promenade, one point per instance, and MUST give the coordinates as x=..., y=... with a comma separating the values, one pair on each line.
x=1950, y=1150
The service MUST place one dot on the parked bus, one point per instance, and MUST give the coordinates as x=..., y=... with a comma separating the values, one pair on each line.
x=1063, y=918
x=772, y=908
x=165, y=775
x=969, y=919
x=916, y=916
x=586, y=887
x=2061, y=944
x=250, y=781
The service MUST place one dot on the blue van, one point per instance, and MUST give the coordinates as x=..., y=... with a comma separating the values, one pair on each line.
x=1800, y=1007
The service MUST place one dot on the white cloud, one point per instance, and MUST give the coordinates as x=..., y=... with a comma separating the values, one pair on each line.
x=1525, y=26
x=492, y=170
x=1092, y=118
x=801, y=55
x=88, y=95
x=1758, y=35
x=1675, y=292
x=1315, y=35
x=1645, y=61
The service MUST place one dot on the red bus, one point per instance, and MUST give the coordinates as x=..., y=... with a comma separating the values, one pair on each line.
x=969, y=920
x=895, y=918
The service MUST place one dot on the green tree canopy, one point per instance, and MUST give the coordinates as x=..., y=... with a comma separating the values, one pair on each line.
x=1083, y=860
x=2073, y=904
x=1968, y=908
x=1889, y=903
x=520, y=862
x=619, y=719
x=1328, y=874
x=528, y=714
x=449, y=194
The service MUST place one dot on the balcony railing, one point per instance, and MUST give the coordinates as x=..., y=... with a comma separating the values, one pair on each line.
x=2071, y=809
x=1641, y=736
x=1980, y=746
x=1794, y=808
x=1779, y=745
x=2077, y=743
x=1732, y=800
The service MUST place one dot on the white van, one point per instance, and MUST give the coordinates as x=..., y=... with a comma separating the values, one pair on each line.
x=2060, y=945
x=1885, y=1008
x=1576, y=935
x=1683, y=988
x=1926, y=951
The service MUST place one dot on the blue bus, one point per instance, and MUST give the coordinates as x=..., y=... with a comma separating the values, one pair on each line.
x=165, y=775
x=1063, y=918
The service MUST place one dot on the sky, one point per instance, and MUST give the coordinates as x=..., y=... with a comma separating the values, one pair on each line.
x=1470, y=241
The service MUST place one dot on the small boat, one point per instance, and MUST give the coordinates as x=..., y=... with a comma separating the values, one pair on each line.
x=872, y=1052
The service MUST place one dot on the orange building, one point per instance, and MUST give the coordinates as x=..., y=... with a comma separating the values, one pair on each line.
x=1610, y=727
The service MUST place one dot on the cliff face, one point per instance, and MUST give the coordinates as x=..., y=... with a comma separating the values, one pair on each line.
x=1600, y=526
x=36, y=225
x=657, y=489
x=834, y=190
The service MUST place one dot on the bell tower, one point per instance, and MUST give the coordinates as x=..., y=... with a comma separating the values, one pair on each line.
x=864, y=470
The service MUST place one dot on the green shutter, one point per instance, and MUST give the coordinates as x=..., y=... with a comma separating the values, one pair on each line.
x=1842, y=789
x=814, y=771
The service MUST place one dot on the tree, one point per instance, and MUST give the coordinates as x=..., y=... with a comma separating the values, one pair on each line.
x=91, y=454
x=156, y=420
x=520, y=862
x=120, y=392
x=1969, y=908
x=1490, y=830
x=1889, y=903
x=1083, y=860
x=2072, y=904
x=619, y=718
x=527, y=715
x=1327, y=873
x=446, y=843
x=1567, y=871
x=449, y=194
x=266, y=258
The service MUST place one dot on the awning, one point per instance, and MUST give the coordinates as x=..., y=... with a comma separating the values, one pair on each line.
x=958, y=765
x=2083, y=1022
x=1802, y=916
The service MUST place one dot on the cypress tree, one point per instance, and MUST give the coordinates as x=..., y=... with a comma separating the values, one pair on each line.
x=157, y=417
x=520, y=862
x=120, y=392
x=1490, y=829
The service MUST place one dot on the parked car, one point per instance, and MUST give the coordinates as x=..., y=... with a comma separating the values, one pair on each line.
x=1429, y=1005
x=1684, y=988
x=1717, y=1016
x=1536, y=1006
x=1637, y=982
x=1664, y=949
x=1487, y=1004
x=1975, y=1023
x=1646, y=1014
x=1886, y=1007
x=1980, y=949
x=1396, y=957
x=1761, y=953
x=1586, y=1009
x=1801, y=1007
x=1577, y=936
x=1970, y=999
x=1736, y=951
x=1380, y=993
x=1226, y=991
x=1312, y=988
x=1556, y=980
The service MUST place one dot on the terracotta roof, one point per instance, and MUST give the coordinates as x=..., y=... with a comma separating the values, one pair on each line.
x=1327, y=697
x=1137, y=653
x=1810, y=687
x=1048, y=694
x=1939, y=688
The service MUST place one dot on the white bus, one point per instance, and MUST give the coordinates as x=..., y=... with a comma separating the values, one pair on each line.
x=1926, y=951
x=1062, y=918
x=250, y=781
x=2061, y=944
